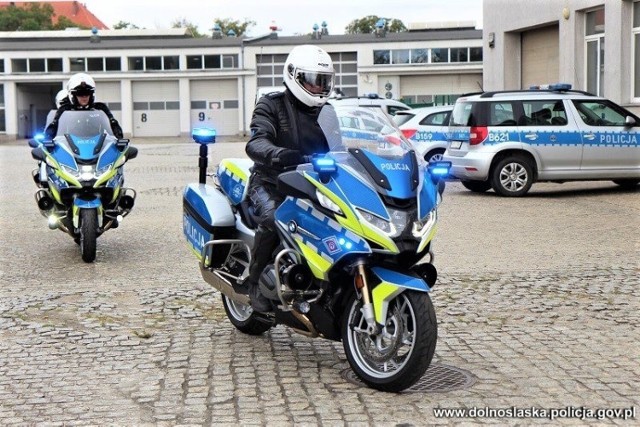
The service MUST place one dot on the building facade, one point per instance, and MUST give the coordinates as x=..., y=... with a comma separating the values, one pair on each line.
x=166, y=83
x=592, y=44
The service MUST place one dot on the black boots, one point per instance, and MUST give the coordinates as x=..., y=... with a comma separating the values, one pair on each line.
x=259, y=302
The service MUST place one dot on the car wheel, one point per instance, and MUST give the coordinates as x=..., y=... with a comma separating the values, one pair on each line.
x=512, y=176
x=627, y=184
x=476, y=186
x=434, y=155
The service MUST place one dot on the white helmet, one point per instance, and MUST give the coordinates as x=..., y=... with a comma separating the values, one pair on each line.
x=62, y=98
x=309, y=75
x=79, y=84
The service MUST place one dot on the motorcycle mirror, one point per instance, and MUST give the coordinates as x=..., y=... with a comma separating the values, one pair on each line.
x=132, y=153
x=33, y=143
x=38, y=154
x=204, y=136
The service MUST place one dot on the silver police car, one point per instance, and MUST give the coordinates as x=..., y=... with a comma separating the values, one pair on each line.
x=510, y=139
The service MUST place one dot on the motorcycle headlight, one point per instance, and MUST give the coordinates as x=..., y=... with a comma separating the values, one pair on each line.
x=420, y=228
x=326, y=203
x=377, y=222
x=87, y=172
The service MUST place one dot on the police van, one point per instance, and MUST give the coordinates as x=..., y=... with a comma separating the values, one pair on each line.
x=508, y=140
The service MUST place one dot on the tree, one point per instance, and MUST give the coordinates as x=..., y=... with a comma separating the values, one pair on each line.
x=240, y=28
x=31, y=17
x=368, y=25
x=122, y=25
x=183, y=23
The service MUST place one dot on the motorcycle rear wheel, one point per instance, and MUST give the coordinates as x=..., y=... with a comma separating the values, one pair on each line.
x=396, y=358
x=88, y=234
x=243, y=318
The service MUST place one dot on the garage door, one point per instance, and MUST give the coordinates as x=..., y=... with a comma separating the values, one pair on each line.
x=214, y=103
x=109, y=93
x=540, y=56
x=156, y=109
x=424, y=89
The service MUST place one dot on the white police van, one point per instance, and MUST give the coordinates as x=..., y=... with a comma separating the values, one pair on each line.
x=508, y=140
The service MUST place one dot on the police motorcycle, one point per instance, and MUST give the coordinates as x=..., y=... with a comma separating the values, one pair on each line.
x=355, y=260
x=80, y=178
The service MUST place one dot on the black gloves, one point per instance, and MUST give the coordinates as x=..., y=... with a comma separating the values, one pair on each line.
x=289, y=158
x=117, y=130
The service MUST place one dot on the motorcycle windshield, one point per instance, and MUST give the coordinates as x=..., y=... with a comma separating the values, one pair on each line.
x=376, y=148
x=83, y=132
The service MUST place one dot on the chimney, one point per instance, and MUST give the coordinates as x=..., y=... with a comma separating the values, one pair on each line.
x=316, y=32
x=325, y=30
x=95, y=38
x=216, y=32
x=274, y=28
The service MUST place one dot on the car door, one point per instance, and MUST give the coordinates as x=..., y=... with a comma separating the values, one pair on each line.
x=552, y=134
x=609, y=142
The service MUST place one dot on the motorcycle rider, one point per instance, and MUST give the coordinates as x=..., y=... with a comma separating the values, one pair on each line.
x=81, y=90
x=284, y=132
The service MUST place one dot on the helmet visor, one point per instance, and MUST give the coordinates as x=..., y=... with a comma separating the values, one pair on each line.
x=82, y=92
x=315, y=83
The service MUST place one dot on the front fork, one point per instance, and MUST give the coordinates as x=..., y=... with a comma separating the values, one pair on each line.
x=362, y=286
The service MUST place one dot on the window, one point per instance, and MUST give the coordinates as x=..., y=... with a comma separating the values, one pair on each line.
x=400, y=56
x=36, y=65
x=1, y=65
x=212, y=62
x=153, y=63
x=501, y=114
x=437, y=119
x=543, y=113
x=459, y=54
x=602, y=113
x=346, y=66
x=381, y=57
x=95, y=64
x=439, y=55
x=54, y=65
x=594, y=47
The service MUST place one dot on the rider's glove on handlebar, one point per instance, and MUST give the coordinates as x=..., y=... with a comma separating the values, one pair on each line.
x=289, y=157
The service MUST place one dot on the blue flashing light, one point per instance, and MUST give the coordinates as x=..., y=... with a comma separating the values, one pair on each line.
x=39, y=137
x=204, y=135
x=556, y=86
x=439, y=169
x=324, y=164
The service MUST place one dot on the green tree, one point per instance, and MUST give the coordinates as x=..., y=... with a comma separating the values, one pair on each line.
x=31, y=17
x=240, y=28
x=183, y=23
x=368, y=25
x=122, y=25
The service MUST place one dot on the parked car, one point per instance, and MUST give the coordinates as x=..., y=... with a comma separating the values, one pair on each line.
x=510, y=139
x=427, y=128
x=389, y=106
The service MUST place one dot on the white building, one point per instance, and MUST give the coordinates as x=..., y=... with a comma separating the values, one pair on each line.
x=592, y=44
x=166, y=83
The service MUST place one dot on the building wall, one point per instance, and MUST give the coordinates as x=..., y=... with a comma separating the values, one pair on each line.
x=505, y=20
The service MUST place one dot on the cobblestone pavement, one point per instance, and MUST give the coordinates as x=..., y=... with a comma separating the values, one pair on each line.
x=538, y=298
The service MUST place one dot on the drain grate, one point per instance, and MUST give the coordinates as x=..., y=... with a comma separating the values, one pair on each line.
x=438, y=379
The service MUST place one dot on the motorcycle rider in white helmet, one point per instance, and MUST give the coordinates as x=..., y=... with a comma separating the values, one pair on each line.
x=81, y=89
x=284, y=132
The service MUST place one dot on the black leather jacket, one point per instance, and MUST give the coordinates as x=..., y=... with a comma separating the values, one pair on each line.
x=280, y=122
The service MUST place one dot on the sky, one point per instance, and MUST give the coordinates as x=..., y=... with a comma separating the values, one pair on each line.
x=291, y=16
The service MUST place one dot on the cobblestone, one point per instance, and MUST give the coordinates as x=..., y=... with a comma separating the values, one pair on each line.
x=537, y=297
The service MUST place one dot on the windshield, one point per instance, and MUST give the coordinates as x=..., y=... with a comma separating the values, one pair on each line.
x=83, y=124
x=370, y=129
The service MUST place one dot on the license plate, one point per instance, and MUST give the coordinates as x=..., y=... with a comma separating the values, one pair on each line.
x=456, y=144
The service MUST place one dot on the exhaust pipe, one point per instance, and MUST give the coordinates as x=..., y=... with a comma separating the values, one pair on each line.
x=44, y=201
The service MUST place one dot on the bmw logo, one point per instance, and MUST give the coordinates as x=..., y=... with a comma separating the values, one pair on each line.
x=292, y=226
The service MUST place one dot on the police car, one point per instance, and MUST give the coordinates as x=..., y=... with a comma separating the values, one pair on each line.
x=426, y=128
x=389, y=106
x=510, y=139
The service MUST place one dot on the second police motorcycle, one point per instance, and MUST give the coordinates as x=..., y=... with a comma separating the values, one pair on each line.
x=355, y=261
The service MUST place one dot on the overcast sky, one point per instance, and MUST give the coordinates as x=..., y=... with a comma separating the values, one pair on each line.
x=292, y=16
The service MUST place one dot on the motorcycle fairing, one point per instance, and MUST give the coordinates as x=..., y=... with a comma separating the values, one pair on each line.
x=399, y=172
x=391, y=285
x=233, y=175
x=85, y=148
x=322, y=240
x=350, y=219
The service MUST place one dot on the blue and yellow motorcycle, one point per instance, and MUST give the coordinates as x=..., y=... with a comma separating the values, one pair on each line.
x=80, y=175
x=355, y=261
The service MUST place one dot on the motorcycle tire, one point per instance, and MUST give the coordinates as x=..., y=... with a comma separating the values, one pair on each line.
x=88, y=234
x=243, y=318
x=398, y=357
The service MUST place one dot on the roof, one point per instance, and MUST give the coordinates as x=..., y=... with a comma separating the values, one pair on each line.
x=150, y=39
x=75, y=11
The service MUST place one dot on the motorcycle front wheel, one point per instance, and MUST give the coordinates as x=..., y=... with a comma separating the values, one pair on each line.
x=88, y=234
x=242, y=317
x=400, y=354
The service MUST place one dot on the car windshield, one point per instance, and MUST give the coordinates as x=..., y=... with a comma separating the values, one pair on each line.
x=365, y=128
x=83, y=124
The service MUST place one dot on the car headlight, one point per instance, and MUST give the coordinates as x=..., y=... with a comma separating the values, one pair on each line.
x=377, y=222
x=326, y=203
